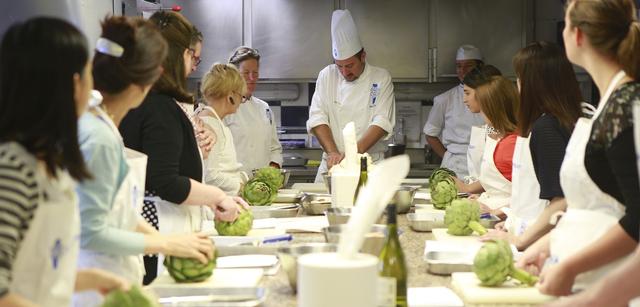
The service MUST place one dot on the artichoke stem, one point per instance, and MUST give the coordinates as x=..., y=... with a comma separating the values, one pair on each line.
x=523, y=276
x=477, y=228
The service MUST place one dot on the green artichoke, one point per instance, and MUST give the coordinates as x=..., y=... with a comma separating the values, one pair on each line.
x=438, y=175
x=186, y=270
x=443, y=193
x=259, y=193
x=239, y=227
x=271, y=176
x=135, y=297
x=493, y=264
x=462, y=218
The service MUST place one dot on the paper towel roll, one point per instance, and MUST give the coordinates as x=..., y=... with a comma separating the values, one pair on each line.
x=343, y=188
x=325, y=279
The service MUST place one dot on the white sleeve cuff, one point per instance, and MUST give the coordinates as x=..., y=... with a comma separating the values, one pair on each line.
x=383, y=123
x=431, y=130
x=316, y=121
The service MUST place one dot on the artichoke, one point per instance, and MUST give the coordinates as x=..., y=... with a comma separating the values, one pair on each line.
x=135, y=297
x=438, y=175
x=239, y=227
x=259, y=193
x=443, y=193
x=493, y=264
x=186, y=270
x=271, y=176
x=462, y=218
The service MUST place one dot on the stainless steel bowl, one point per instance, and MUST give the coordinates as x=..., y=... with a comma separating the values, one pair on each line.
x=404, y=198
x=373, y=242
x=315, y=204
x=337, y=216
x=426, y=221
x=288, y=256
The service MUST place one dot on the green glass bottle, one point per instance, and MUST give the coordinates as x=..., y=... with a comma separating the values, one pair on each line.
x=362, y=179
x=392, y=285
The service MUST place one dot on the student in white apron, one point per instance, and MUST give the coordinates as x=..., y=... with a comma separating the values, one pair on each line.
x=498, y=100
x=600, y=186
x=477, y=139
x=222, y=89
x=549, y=107
x=163, y=128
x=113, y=235
x=39, y=161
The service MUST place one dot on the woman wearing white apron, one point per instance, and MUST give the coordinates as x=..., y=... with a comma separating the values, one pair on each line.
x=114, y=236
x=477, y=139
x=601, y=223
x=498, y=99
x=176, y=199
x=222, y=88
x=549, y=108
x=39, y=159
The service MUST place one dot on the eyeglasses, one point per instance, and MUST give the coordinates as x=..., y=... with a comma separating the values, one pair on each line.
x=196, y=59
x=244, y=98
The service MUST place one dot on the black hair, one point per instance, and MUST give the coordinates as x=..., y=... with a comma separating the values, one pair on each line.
x=38, y=61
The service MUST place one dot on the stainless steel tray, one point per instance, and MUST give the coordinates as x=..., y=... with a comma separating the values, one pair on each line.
x=419, y=224
x=445, y=263
x=228, y=297
x=263, y=212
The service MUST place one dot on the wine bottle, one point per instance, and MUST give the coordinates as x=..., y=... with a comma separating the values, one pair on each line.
x=362, y=179
x=392, y=284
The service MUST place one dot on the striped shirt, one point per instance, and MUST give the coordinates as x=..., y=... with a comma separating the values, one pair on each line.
x=18, y=203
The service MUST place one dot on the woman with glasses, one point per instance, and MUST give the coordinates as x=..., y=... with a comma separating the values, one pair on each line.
x=222, y=88
x=163, y=128
x=253, y=126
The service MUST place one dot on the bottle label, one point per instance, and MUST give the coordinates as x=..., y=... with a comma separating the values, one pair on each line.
x=386, y=291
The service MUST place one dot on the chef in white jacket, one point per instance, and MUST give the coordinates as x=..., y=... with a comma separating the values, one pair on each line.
x=449, y=124
x=350, y=90
x=253, y=126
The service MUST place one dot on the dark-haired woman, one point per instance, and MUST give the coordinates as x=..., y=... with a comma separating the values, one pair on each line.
x=43, y=66
x=128, y=60
x=598, y=175
x=163, y=127
x=549, y=108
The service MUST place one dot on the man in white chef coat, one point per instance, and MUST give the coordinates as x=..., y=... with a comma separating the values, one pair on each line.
x=350, y=90
x=253, y=126
x=449, y=124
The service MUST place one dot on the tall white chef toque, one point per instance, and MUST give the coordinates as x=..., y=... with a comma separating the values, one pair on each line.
x=345, y=41
x=468, y=52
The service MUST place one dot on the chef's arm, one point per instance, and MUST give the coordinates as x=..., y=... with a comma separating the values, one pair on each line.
x=614, y=244
x=541, y=226
x=15, y=300
x=472, y=188
x=436, y=145
x=370, y=138
x=325, y=137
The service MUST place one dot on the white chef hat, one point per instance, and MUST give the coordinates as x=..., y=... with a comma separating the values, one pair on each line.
x=468, y=52
x=345, y=41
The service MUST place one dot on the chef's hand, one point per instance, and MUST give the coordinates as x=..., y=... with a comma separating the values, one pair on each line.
x=556, y=280
x=334, y=158
x=274, y=165
x=500, y=226
x=205, y=137
x=533, y=258
x=99, y=280
x=228, y=209
x=493, y=234
x=192, y=245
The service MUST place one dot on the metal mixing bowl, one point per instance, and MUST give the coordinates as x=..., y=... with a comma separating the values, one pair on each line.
x=373, y=242
x=404, y=198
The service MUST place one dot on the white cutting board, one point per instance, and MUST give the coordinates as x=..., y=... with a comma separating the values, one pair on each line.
x=310, y=187
x=441, y=235
x=221, y=278
x=468, y=286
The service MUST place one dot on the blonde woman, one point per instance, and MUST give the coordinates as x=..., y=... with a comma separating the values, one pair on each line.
x=223, y=90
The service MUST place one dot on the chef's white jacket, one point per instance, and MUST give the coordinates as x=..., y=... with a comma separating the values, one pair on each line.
x=254, y=134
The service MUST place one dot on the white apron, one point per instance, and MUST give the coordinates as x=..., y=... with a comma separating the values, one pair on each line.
x=475, y=151
x=590, y=212
x=124, y=214
x=497, y=188
x=526, y=204
x=44, y=271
